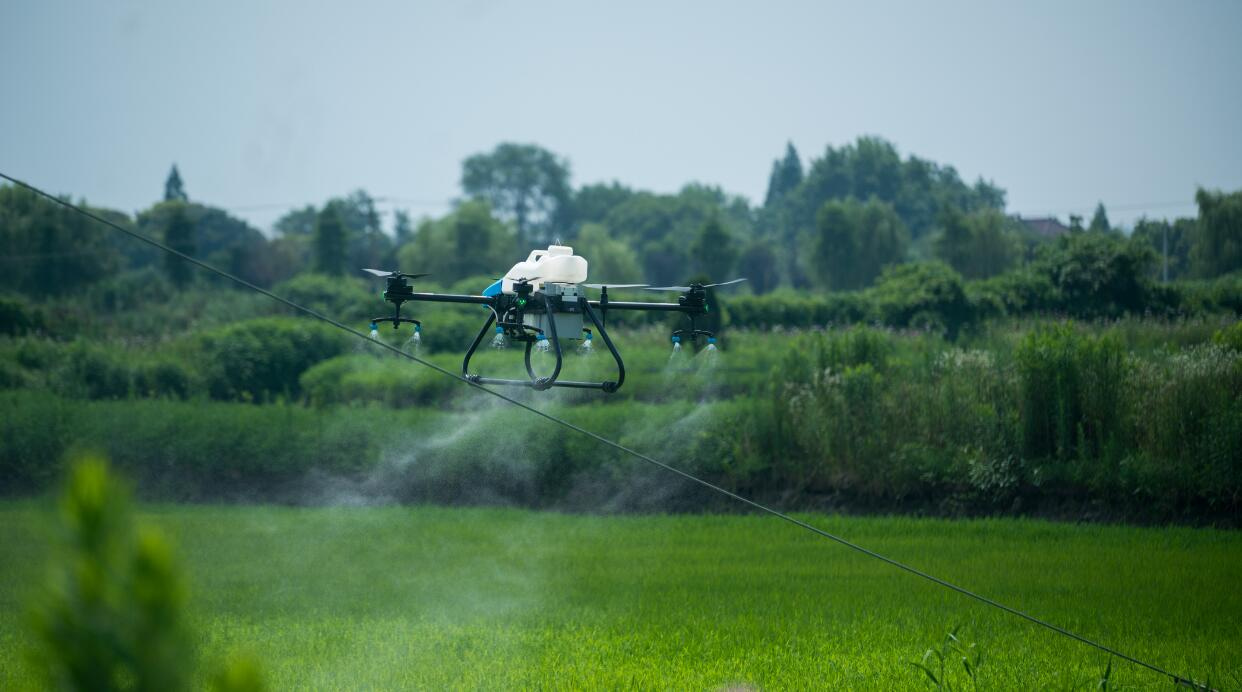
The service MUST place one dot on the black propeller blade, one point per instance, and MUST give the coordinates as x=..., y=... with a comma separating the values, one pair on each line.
x=383, y=274
x=615, y=285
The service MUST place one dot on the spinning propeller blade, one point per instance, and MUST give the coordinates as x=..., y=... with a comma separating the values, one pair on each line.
x=615, y=285
x=383, y=274
x=679, y=289
x=683, y=289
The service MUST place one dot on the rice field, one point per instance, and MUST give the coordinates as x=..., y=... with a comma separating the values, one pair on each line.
x=435, y=598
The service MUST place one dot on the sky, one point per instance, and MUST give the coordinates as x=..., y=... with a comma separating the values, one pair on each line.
x=268, y=105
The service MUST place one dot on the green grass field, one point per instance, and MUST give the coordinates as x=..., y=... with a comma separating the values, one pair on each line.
x=463, y=598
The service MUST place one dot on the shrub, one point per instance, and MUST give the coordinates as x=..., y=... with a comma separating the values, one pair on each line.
x=347, y=299
x=927, y=295
x=18, y=316
x=363, y=378
x=111, y=617
x=263, y=358
x=1071, y=386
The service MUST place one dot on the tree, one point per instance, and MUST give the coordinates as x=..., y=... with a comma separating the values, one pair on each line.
x=979, y=244
x=871, y=167
x=759, y=264
x=1218, y=246
x=525, y=184
x=662, y=227
x=469, y=242
x=854, y=241
x=51, y=250
x=786, y=176
x=593, y=203
x=330, y=242
x=219, y=239
x=714, y=250
x=179, y=235
x=1171, y=241
x=174, y=190
x=112, y=613
x=402, y=229
x=608, y=259
x=1097, y=274
x=1099, y=220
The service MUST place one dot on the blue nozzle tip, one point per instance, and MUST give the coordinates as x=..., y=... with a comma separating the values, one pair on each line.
x=711, y=339
x=500, y=330
x=677, y=339
x=418, y=327
x=374, y=326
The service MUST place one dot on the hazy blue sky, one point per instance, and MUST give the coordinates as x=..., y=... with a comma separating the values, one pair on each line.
x=1062, y=104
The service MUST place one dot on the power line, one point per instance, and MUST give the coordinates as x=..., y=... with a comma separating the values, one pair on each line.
x=1177, y=679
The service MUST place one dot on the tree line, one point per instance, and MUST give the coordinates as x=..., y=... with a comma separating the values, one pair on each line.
x=835, y=224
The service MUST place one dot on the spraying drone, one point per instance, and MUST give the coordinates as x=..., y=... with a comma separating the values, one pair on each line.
x=541, y=301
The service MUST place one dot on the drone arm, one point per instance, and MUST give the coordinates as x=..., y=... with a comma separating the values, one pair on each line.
x=450, y=298
x=624, y=305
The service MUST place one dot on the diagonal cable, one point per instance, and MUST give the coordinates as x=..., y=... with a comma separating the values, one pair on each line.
x=1177, y=679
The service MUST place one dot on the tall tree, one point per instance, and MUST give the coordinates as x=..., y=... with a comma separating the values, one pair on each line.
x=786, y=175
x=330, y=242
x=854, y=241
x=979, y=244
x=759, y=264
x=402, y=229
x=714, y=250
x=609, y=259
x=52, y=250
x=1171, y=241
x=179, y=235
x=469, y=242
x=525, y=184
x=1218, y=246
x=1099, y=220
x=174, y=189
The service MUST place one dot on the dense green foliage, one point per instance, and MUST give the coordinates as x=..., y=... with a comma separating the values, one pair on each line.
x=433, y=598
x=111, y=614
x=1138, y=420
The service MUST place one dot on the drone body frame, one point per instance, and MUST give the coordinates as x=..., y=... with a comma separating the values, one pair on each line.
x=532, y=312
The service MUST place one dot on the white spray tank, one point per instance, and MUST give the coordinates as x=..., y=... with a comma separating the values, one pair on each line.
x=557, y=264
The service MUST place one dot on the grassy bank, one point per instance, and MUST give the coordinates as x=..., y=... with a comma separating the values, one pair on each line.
x=468, y=598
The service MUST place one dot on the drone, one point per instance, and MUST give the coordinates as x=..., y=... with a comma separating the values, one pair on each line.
x=542, y=300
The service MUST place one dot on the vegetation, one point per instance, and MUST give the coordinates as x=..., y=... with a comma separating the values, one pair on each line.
x=442, y=598
x=1134, y=420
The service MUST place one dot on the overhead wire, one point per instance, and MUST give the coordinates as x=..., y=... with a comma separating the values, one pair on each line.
x=1177, y=679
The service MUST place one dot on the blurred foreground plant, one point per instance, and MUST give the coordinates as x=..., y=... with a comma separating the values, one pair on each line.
x=111, y=616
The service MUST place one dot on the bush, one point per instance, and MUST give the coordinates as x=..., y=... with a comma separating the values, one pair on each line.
x=927, y=295
x=1072, y=387
x=263, y=358
x=112, y=615
x=347, y=299
x=18, y=316
x=362, y=378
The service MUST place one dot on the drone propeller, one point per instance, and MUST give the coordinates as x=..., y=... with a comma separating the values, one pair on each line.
x=384, y=274
x=615, y=285
x=683, y=289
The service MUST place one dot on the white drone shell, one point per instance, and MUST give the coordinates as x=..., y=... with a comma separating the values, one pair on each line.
x=557, y=264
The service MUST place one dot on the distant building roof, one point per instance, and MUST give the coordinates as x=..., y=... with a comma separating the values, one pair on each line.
x=1048, y=226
